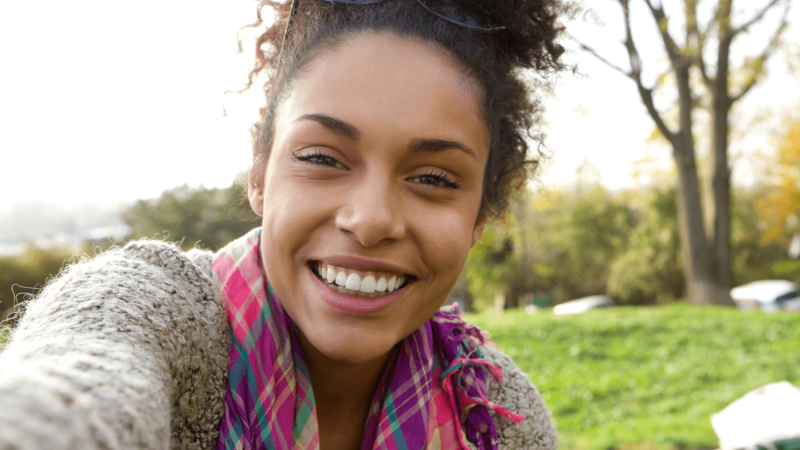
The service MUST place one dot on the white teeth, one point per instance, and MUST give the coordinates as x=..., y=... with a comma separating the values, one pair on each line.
x=368, y=284
x=353, y=282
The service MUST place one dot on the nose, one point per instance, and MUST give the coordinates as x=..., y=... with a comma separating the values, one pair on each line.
x=372, y=212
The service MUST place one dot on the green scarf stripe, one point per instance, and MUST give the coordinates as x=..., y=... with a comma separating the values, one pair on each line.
x=240, y=368
x=394, y=423
x=304, y=414
x=233, y=437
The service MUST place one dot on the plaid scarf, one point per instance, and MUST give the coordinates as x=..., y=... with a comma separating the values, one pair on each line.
x=433, y=373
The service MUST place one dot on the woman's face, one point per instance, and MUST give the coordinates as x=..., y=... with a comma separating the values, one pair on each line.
x=374, y=179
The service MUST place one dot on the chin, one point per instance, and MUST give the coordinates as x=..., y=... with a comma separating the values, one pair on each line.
x=351, y=344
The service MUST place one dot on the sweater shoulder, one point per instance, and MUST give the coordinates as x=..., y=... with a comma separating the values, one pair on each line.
x=195, y=262
x=132, y=341
x=537, y=431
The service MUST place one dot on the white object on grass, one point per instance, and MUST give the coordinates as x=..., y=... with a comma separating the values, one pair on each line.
x=765, y=415
x=584, y=304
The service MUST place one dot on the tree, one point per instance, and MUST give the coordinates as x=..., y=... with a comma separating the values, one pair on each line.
x=21, y=277
x=560, y=243
x=780, y=208
x=649, y=270
x=210, y=217
x=706, y=249
x=753, y=257
x=490, y=268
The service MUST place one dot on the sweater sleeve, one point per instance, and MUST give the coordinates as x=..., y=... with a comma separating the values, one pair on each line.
x=537, y=431
x=125, y=350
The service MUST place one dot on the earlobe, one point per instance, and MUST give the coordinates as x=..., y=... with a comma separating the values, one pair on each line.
x=477, y=232
x=256, y=196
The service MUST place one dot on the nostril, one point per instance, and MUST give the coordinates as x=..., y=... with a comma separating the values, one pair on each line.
x=372, y=222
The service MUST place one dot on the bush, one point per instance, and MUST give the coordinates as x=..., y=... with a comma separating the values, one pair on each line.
x=649, y=270
x=207, y=217
x=22, y=276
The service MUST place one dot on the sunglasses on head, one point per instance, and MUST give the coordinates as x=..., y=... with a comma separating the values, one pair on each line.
x=467, y=13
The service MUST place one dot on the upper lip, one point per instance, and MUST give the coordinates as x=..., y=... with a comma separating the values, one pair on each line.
x=364, y=264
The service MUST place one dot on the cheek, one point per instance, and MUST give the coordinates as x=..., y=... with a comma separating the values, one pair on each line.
x=445, y=238
x=290, y=215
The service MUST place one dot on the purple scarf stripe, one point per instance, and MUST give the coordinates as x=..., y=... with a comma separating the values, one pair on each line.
x=270, y=401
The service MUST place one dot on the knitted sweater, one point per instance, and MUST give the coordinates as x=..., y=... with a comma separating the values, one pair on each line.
x=130, y=350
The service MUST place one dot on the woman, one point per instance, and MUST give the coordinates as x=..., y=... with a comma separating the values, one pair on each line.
x=393, y=130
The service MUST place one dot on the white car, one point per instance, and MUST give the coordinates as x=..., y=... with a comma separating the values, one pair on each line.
x=767, y=295
x=584, y=304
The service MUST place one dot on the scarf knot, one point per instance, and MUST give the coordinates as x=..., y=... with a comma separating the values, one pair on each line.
x=269, y=402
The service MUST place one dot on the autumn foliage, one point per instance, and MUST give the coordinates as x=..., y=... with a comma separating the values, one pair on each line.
x=779, y=209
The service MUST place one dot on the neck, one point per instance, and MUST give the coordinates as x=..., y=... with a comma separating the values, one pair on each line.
x=343, y=392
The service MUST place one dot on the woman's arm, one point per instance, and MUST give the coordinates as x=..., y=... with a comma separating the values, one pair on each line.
x=114, y=349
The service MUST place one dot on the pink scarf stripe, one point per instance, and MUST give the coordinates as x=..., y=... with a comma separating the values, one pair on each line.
x=270, y=400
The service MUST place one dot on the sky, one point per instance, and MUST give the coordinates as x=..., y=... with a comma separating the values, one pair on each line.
x=102, y=102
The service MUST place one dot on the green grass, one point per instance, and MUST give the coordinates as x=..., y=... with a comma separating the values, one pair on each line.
x=646, y=378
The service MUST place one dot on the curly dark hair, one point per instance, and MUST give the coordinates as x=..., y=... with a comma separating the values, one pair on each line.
x=495, y=60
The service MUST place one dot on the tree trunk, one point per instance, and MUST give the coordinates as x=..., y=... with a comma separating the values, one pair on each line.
x=696, y=262
x=700, y=286
x=720, y=228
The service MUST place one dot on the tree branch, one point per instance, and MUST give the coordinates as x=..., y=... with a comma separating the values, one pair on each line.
x=702, y=66
x=693, y=31
x=673, y=51
x=757, y=63
x=594, y=53
x=636, y=74
x=756, y=18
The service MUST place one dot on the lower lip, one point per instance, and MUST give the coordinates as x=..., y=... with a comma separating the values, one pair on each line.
x=355, y=304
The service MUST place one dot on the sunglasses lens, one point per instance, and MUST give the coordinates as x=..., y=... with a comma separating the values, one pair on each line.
x=462, y=12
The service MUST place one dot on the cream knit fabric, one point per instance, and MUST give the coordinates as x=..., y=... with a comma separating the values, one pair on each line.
x=128, y=350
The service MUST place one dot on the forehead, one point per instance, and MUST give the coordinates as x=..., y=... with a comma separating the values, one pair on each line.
x=389, y=83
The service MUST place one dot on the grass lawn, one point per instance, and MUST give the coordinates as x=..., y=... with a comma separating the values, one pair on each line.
x=646, y=378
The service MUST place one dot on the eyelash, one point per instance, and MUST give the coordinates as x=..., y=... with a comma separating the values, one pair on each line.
x=439, y=178
x=319, y=157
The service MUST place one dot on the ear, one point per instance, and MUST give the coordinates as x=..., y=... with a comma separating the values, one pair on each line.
x=255, y=193
x=477, y=232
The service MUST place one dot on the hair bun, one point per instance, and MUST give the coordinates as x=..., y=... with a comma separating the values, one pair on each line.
x=532, y=31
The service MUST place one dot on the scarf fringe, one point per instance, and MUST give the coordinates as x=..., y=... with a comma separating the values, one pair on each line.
x=467, y=363
x=265, y=357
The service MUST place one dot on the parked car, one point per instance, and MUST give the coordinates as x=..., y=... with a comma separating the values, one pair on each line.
x=584, y=304
x=767, y=295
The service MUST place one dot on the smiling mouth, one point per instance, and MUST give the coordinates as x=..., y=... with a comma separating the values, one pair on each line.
x=366, y=284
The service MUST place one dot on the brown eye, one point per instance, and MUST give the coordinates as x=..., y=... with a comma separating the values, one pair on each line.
x=436, y=179
x=320, y=159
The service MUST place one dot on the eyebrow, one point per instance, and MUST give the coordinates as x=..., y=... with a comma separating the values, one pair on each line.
x=343, y=128
x=333, y=124
x=438, y=145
